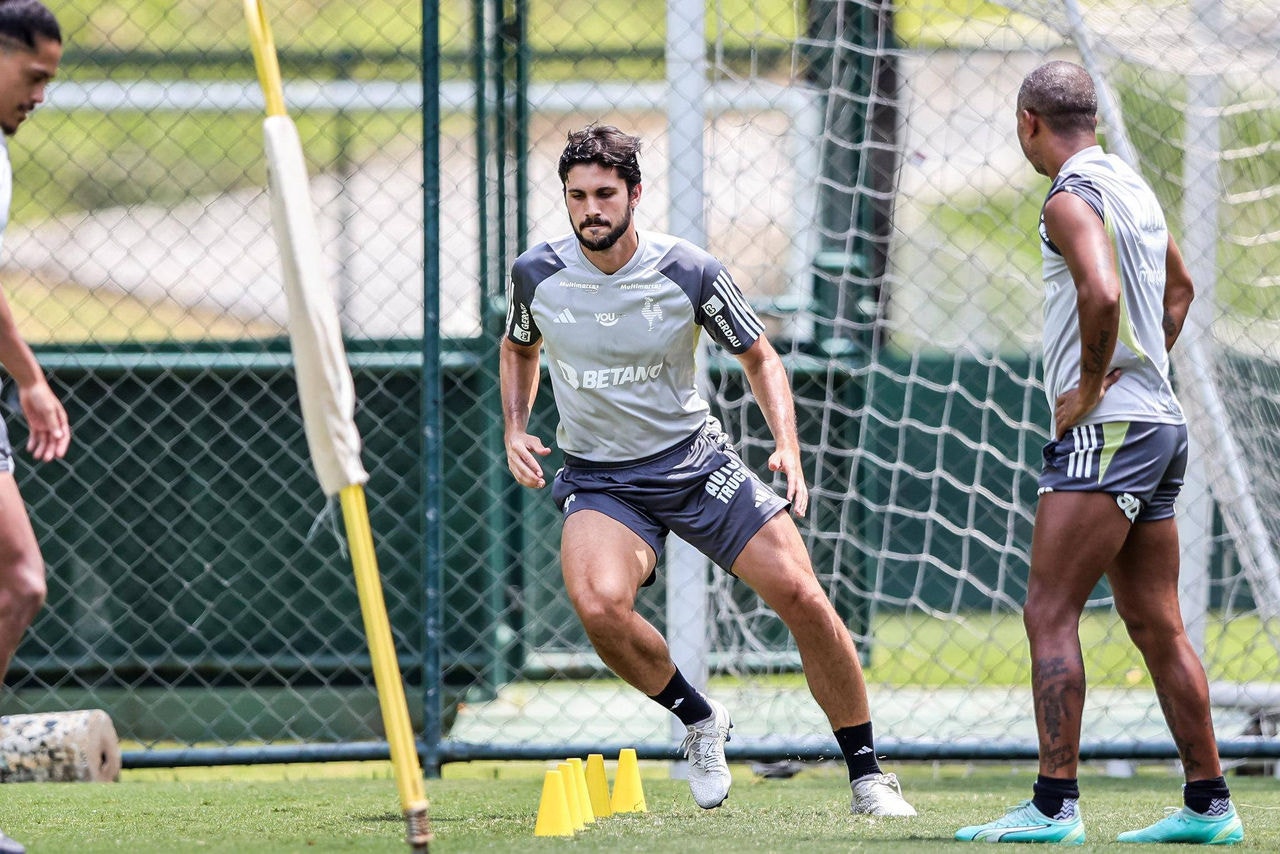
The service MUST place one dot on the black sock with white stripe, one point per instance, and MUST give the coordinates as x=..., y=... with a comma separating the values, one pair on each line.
x=858, y=747
x=683, y=700
x=1056, y=797
x=1207, y=797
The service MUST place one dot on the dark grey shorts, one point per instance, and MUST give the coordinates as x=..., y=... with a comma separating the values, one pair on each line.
x=1140, y=463
x=700, y=489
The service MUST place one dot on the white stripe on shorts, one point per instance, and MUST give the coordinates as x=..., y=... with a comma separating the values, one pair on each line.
x=1088, y=441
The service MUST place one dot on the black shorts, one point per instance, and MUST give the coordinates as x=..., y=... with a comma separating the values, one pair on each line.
x=700, y=489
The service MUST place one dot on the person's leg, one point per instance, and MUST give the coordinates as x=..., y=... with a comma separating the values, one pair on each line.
x=22, y=578
x=776, y=565
x=1144, y=582
x=1075, y=539
x=604, y=563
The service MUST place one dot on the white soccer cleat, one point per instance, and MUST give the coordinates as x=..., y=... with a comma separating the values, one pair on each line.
x=880, y=795
x=709, y=777
x=9, y=846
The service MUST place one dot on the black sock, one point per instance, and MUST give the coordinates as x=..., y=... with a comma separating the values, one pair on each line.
x=1056, y=797
x=1207, y=797
x=858, y=747
x=683, y=700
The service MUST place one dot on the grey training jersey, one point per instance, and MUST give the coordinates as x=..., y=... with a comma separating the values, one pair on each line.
x=621, y=347
x=1140, y=240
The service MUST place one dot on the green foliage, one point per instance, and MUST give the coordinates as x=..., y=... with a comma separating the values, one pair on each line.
x=157, y=25
x=65, y=162
x=1156, y=125
x=955, y=23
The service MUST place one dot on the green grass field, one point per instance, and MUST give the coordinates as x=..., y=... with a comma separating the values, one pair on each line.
x=493, y=807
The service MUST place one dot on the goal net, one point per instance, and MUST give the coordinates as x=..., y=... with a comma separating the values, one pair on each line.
x=864, y=184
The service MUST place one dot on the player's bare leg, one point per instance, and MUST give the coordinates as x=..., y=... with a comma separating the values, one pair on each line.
x=1065, y=566
x=1145, y=584
x=1076, y=537
x=604, y=563
x=776, y=565
x=1144, y=581
x=22, y=578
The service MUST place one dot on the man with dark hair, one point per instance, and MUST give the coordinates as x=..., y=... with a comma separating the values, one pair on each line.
x=30, y=50
x=1116, y=295
x=620, y=312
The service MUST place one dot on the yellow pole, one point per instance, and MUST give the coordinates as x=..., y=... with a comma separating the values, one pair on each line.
x=386, y=670
x=373, y=608
x=264, y=56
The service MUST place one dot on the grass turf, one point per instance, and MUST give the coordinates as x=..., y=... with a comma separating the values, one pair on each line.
x=492, y=807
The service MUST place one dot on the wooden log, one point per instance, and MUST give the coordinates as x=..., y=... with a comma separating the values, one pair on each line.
x=59, y=747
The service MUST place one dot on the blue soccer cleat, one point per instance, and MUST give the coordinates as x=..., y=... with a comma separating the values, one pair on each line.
x=1025, y=823
x=1186, y=825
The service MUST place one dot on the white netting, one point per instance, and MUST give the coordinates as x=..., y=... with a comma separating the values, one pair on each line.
x=865, y=185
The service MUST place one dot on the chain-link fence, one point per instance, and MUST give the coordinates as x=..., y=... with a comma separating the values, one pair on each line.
x=196, y=590
x=854, y=164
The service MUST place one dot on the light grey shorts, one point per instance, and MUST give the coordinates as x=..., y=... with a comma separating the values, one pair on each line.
x=6, y=449
x=1140, y=463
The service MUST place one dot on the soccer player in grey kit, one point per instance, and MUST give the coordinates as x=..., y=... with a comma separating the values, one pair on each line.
x=619, y=312
x=1116, y=295
x=30, y=52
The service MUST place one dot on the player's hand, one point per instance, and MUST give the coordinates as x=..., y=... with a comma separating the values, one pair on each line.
x=787, y=461
x=50, y=431
x=523, y=451
x=1071, y=406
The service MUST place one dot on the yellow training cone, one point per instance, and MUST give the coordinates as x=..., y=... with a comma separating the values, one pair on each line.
x=584, y=797
x=628, y=794
x=571, y=794
x=598, y=786
x=553, y=809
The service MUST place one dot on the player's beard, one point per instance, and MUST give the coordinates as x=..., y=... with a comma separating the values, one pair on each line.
x=606, y=241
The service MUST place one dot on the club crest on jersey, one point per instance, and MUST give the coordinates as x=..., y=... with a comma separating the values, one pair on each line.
x=651, y=312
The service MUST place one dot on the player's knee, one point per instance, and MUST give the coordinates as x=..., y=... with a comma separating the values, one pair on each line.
x=1150, y=635
x=24, y=591
x=1043, y=615
x=600, y=613
x=799, y=598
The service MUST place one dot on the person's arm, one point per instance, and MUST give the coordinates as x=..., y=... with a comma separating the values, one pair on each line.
x=50, y=432
x=772, y=391
x=1178, y=293
x=1081, y=237
x=518, y=371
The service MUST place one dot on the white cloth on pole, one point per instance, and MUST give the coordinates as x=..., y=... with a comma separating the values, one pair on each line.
x=325, y=387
